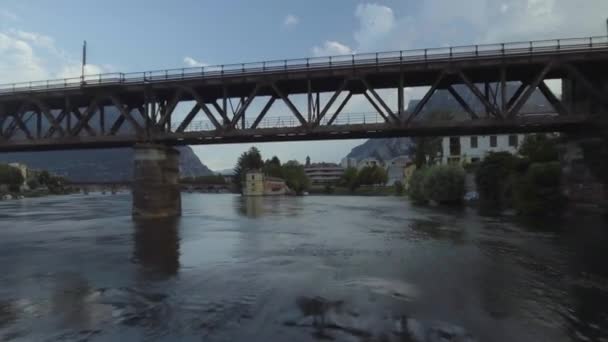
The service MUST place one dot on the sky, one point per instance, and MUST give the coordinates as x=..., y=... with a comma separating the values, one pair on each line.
x=41, y=39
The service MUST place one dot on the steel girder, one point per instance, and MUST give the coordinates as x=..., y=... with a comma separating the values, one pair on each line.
x=158, y=114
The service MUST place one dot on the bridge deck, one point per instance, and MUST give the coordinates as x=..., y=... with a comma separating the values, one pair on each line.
x=75, y=113
x=524, y=57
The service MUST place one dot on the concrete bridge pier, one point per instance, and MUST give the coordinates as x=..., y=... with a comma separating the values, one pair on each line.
x=156, y=192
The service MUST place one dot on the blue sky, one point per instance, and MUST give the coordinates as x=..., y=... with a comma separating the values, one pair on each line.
x=42, y=39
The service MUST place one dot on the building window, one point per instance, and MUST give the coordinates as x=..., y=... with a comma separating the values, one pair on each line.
x=513, y=140
x=475, y=160
x=493, y=141
x=252, y=177
x=454, y=146
x=473, y=142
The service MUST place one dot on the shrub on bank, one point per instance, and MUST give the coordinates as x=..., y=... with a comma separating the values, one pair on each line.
x=494, y=177
x=537, y=191
x=444, y=184
x=415, y=189
x=439, y=183
x=399, y=188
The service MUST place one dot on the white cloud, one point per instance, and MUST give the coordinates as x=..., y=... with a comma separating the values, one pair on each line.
x=375, y=21
x=75, y=70
x=331, y=48
x=34, y=38
x=29, y=56
x=448, y=22
x=18, y=61
x=291, y=20
x=539, y=8
x=8, y=15
x=193, y=63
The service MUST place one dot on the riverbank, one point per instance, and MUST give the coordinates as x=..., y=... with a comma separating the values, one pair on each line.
x=360, y=191
x=37, y=193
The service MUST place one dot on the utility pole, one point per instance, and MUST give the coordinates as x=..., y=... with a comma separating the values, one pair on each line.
x=84, y=60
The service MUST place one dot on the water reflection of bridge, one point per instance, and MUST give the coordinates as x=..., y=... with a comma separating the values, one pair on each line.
x=105, y=187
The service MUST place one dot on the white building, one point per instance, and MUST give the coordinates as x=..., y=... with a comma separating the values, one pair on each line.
x=348, y=162
x=324, y=173
x=472, y=148
x=395, y=169
x=369, y=162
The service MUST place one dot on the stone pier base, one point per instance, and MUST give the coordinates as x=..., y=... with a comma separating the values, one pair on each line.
x=156, y=190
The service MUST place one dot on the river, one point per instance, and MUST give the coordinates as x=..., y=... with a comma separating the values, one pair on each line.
x=77, y=268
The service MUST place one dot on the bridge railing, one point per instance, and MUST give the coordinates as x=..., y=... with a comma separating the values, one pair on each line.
x=286, y=65
x=286, y=122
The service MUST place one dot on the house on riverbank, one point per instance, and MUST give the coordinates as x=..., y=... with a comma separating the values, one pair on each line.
x=258, y=184
x=473, y=148
x=323, y=173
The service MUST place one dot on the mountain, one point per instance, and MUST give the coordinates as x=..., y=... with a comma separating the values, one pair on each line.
x=225, y=172
x=99, y=165
x=103, y=165
x=441, y=101
x=382, y=149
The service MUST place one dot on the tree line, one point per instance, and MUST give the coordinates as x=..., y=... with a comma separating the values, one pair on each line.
x=291, y=171
x=11, y=176
x=204, y=180
x=352, y=178
x=528, y=182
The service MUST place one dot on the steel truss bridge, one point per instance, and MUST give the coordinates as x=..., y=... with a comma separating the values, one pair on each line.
x=75, y=112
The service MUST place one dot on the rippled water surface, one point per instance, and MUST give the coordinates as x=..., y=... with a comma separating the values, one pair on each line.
x=77, y=268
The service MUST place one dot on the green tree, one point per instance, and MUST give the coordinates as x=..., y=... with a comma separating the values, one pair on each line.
x=44, y=178
x=349, y=178
x=295, y=177
x=33, y=183
x=11, y=176
x=399, y=188
x=537, y=192
x=444, y=184
x=416, y=186
x=595, y=155
x=426, y=151
x=56, y=185
x=372, y=175
x=493, y=177
x=539, y=148
x=272, y=167
x=250, y=160
x=205, y=180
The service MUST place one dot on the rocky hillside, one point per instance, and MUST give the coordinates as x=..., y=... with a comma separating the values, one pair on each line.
x=103, y=165
x=442, y=101
x=106, y=165
x=382, y=149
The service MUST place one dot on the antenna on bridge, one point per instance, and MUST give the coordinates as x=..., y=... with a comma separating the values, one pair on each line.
x=84, y=60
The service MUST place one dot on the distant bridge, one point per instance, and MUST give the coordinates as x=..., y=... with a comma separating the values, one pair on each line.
x=73, y=113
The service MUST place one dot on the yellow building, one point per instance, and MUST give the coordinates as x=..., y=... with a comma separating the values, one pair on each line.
x=408, y=171
x=256, y=184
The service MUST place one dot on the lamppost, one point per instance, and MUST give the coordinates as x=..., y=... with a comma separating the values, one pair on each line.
x=84, y=61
